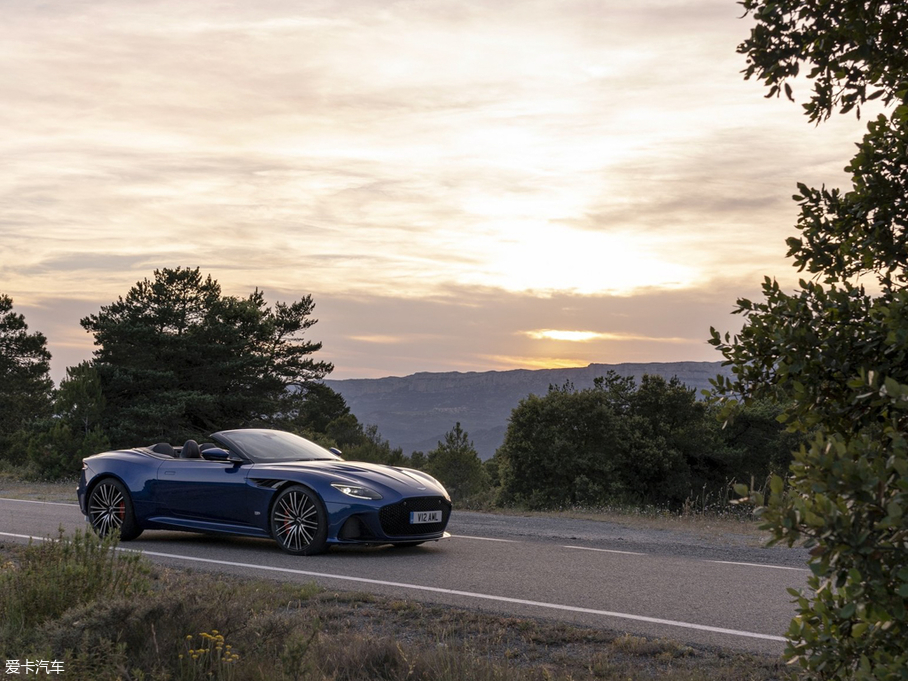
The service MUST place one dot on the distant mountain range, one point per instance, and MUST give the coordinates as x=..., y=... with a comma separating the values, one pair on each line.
x=414, y=412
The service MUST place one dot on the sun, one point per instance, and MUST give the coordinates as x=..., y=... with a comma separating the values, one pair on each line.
x=541, y=256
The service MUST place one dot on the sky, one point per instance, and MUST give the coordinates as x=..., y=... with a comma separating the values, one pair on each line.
x=461, y=185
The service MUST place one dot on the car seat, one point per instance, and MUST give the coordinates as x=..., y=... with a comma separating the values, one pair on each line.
x=190, y=450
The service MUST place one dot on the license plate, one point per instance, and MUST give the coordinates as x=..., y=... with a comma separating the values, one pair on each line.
x=420, y=517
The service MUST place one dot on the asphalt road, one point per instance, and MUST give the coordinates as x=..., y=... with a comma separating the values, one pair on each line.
x=711, y=591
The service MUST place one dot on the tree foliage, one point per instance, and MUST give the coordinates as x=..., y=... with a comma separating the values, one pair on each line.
x=319, y=407
x=759, y=444
x=613, y=443
x=75, y=431
x=363, y=443
x=836, y=347
x=176, y=358
x=456, y=465
x=26, y=389
x=854, y=50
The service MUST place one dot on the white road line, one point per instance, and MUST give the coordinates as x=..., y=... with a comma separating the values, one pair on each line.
x=721, y=562
x=464, y=536
x=451, y=592
x=32, y=501
x=470, y=594
x=590, y=548
x=21, y=536
x=762, y=565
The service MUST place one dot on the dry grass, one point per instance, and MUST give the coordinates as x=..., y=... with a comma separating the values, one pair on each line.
x=180, y=624
x=63, y=491
x=706, y=525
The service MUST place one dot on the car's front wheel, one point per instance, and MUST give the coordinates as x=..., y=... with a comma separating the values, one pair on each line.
x=110, y=509
x=299, y=522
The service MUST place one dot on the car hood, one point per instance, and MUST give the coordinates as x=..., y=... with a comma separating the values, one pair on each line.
x=376, y=476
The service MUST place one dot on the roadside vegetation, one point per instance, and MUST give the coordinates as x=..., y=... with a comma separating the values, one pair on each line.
x=820, y=371
x=109, y=615
x=834, y=349
x=177, y=359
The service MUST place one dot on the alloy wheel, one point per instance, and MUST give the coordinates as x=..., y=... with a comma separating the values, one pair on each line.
x=107, y=508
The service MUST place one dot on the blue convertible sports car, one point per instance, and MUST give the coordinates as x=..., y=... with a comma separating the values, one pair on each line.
x=261, y=483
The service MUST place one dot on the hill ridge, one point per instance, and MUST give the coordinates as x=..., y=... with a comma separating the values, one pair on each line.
x=415, y=411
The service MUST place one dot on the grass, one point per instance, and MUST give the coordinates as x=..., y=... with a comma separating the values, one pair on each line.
x=46, y=579
x=110, y=615
x=14, y=485
x=708, y=522
x=706, y=514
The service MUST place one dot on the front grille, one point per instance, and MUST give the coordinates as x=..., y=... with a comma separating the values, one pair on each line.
x=395, y=518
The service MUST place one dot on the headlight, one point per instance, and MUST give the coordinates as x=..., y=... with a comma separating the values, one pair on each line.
x=356, y=491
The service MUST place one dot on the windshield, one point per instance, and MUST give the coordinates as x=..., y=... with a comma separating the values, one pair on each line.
x=268, y=446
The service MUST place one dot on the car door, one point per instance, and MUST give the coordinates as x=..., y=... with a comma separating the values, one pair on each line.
x=209, y=491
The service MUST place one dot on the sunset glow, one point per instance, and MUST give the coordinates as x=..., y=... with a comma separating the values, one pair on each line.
x=587, y=336
x=573, y=336
x=440, y=176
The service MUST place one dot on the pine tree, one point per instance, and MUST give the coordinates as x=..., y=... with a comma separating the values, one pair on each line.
x=26, y=389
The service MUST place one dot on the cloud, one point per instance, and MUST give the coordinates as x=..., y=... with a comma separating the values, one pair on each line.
x=472, y=161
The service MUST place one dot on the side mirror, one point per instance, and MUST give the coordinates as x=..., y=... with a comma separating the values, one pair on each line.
x=336, y=451
x=218, y=454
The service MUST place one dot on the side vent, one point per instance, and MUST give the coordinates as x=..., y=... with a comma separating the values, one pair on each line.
x=266, y=482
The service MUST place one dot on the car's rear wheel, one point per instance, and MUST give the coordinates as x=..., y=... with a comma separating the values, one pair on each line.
x=110, y=510
x=299, y=522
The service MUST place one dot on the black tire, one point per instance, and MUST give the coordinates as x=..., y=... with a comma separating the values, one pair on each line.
x=110, y=509
x=299, y=522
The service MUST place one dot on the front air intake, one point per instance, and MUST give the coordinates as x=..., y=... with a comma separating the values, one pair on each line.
x=395, y=518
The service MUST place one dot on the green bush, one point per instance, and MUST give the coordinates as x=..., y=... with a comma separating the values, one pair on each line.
x=835, y=348
x=613, y=443
x=847, y=500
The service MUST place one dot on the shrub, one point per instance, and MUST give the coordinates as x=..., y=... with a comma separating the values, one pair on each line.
x=57, y=574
